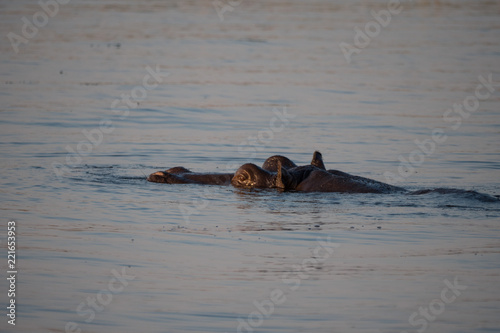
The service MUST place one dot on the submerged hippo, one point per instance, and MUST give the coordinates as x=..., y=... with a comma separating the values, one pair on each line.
x=307, y=178
x=278, y=172
x=181, y=175
x=281, y=173
x=338, y=181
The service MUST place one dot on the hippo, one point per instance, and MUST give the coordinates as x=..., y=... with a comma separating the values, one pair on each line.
x=181, y=175
x=271, y=164
x=279, y=172
x=276, y=172
x=308, y=178
x=250, y=175
x=337, y=181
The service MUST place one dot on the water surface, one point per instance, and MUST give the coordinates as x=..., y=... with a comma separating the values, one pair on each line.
x=213, y=259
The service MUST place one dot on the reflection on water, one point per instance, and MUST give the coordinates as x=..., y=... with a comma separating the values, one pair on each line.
x=205, y=258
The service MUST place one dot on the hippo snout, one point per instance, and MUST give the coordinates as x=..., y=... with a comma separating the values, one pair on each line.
x=157, y=177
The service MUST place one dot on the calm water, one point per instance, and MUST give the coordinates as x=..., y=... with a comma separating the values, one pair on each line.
x=218, y=259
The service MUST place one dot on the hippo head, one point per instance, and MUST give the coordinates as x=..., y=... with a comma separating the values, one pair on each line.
x=273, y=162
x=251, y=176
x=178, y=170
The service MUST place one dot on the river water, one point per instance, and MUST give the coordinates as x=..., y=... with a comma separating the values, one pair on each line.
x=103, y=93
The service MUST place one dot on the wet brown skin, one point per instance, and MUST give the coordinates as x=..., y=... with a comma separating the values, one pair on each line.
x=281, y=173
x=337, y=181
x=276, y=172
x=306, y=178
x=181, y=175
x=321, y=180
x=250, y=175
x=271, y=164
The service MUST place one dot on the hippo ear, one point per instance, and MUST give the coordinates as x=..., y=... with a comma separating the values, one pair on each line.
x=283, y=177
x=317, y=160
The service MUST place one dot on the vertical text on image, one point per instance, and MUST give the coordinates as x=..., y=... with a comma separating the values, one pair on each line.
x=11, y=271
